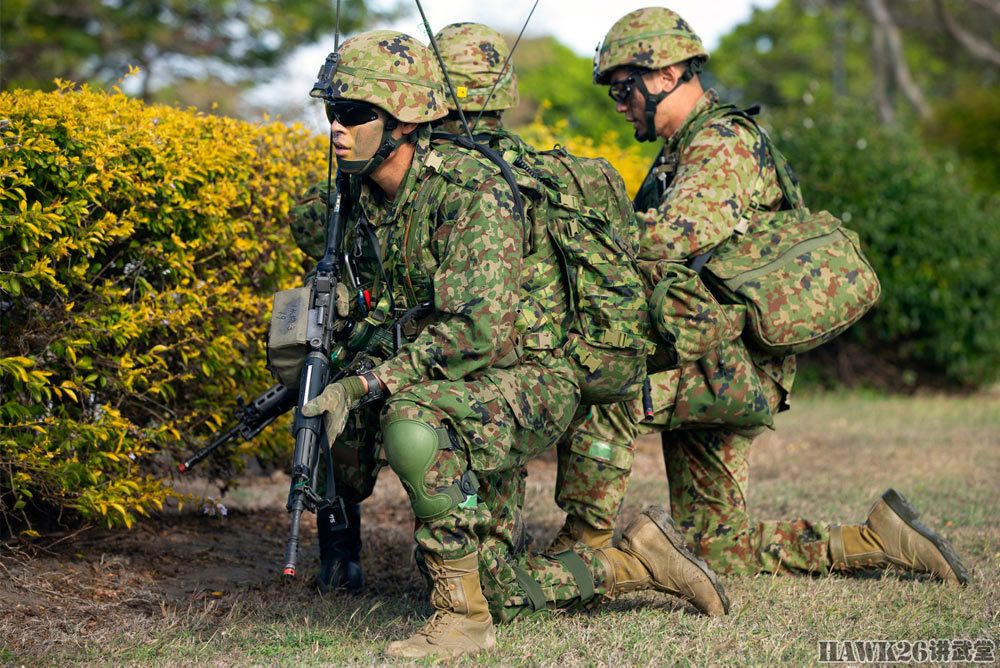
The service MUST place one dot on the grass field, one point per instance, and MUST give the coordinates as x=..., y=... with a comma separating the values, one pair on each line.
x=195, y=590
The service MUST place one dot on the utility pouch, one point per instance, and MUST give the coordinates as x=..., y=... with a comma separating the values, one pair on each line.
x=801, y=275
x=686, y=316
x=287, y=342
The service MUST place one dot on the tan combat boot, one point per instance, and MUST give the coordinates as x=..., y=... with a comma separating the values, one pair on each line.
x=461, y=623
x=652, y=555
x=575, y=530
x=892, y=536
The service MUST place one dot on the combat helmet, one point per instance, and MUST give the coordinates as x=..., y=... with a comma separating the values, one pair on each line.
x=475, y=55
x=648, y=39
x=651, y=38
x=391, y=71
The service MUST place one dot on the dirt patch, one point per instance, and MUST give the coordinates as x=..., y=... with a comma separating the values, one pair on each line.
x=93, y=584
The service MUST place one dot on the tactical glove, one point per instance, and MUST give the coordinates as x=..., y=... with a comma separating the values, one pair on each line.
x=334, y=403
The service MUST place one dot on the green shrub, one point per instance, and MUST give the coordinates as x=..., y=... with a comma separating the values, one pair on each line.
x=139, y=249
x=969, y=122
x=930, y=234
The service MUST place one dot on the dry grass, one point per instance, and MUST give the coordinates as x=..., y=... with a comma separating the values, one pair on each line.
x=191, y=589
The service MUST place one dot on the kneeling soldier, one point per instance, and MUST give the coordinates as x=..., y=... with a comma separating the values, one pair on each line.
x=463, y=404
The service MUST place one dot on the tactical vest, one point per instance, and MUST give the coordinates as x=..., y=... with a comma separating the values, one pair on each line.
x=410, y=265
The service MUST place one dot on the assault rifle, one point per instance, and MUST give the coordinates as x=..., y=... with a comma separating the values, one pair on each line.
x=251, y=419
x=319, y=323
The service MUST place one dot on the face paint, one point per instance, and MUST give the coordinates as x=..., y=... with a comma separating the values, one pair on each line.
x=356, y=145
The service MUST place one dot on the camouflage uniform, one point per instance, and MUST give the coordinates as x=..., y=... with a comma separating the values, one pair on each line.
x=707, y=411
x=504, y=543
x=467, y=404
x=710, y=173
x=478, y=389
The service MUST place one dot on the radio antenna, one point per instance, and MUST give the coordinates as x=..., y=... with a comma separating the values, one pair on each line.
x=447, y=79
x=504, y=68
x=336, y=31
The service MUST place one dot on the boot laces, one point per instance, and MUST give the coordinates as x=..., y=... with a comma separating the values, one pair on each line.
x=563, y=541
x=441, y=600
x=436, y=625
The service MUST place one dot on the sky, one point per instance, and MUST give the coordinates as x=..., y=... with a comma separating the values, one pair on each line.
x=579, y=24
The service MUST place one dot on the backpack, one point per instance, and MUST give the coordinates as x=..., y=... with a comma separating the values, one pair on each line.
x=801, y=275
x=579, y=268
x=582, y=269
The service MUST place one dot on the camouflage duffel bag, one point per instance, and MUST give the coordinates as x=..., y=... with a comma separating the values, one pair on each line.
x=801, y=275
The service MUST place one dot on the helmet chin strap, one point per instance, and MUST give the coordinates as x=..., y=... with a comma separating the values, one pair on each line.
x=387, y=145
x=653, y=101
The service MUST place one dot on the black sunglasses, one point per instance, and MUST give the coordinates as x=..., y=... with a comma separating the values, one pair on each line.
x=619, y=91
x=351, y=112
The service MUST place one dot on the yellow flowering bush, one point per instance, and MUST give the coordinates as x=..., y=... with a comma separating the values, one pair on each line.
x=139, y=250
x=630, y=162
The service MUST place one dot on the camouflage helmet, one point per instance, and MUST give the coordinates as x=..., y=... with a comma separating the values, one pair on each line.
x=388, y=69
x=652, y=38
x=474, y=55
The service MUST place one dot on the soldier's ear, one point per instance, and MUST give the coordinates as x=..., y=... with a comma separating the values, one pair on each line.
x=404, y=129
x=668, y=76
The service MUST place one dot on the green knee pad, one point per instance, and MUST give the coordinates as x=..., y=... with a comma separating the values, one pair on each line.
x=411, y=447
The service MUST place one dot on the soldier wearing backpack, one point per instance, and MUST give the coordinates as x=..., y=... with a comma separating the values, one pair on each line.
x=477, y=388
x=580, y=226
x=716, y=171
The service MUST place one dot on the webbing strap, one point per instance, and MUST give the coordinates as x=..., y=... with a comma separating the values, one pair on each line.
x=366, y=227
x=531, y=587
x=577, y=567
x=497, y=160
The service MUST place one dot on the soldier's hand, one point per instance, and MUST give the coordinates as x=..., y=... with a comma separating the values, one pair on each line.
x=334, y=403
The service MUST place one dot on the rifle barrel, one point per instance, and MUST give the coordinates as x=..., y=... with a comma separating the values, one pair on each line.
x=208, y=449
x=292, y=544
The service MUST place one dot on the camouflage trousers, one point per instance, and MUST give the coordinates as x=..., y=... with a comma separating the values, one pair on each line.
x=496, y=423
x=708, y=413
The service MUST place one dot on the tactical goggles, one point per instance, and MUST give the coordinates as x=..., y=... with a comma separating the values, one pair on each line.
x=351, y=112
x=619, y=91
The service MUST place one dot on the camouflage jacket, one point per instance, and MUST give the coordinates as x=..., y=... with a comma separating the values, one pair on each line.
x=692, y=201
x=451, y=238
x=693, y=198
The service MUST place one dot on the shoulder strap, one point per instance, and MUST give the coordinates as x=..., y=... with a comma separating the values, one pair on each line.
x=786, y=177
x=497, y=160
